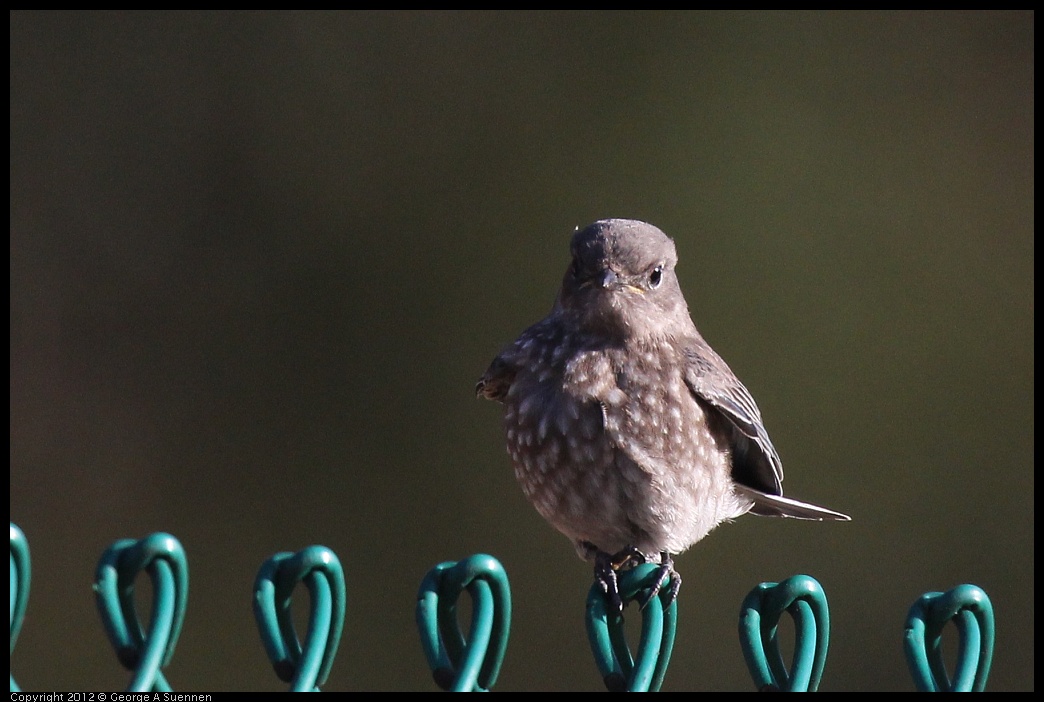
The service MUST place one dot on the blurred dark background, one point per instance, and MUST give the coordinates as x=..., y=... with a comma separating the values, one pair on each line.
x=259, y=260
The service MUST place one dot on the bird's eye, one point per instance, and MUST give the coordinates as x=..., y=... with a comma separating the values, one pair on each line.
x=656, y=277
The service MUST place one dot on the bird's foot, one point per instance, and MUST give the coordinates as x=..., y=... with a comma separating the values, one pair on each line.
x=605, y=569
x=665, y=575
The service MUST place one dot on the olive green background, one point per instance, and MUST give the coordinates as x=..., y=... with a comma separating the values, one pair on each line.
x=259, y=260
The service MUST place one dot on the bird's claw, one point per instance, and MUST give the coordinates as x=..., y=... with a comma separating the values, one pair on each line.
x=605, y=569
x=665, y=575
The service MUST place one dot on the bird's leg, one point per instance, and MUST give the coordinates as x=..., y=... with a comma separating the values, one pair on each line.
x=605, y=569
x=664, y=574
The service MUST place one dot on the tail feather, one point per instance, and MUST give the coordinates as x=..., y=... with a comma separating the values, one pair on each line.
x=779, y=506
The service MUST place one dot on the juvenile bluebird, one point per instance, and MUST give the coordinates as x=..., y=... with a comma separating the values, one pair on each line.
x=627, y=432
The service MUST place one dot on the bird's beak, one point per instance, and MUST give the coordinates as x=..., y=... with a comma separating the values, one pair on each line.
x=608, y=280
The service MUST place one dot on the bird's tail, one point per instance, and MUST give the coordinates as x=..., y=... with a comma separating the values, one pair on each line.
x=779, y=506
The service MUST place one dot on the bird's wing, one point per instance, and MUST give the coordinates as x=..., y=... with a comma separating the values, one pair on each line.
x=755, y=461
x=756, y=467
x=496, y=381
x=498, y=378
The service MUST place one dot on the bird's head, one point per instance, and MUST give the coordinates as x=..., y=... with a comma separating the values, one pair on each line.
x=621, y=282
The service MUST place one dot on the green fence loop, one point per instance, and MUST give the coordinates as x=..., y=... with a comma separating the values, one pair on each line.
x=304, y=667
x=20, y=577
x=969, y=608
x=163, y=558
x=472, y=663
x=803, y=598
x=605, y=631
x=458, y=664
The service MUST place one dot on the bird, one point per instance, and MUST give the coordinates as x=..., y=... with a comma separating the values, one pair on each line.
x=627, y=432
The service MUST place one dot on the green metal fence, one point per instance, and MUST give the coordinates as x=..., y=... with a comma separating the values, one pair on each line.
x=471, y=661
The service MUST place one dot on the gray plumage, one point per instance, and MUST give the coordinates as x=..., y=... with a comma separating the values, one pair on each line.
x=626, y=430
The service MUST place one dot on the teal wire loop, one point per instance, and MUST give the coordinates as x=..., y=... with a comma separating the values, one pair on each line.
x=605, y=631
x=20, y=577
x=459, y=664
x=307, y=666
x=140, y=651
x=968, y=607
x=803, y=598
